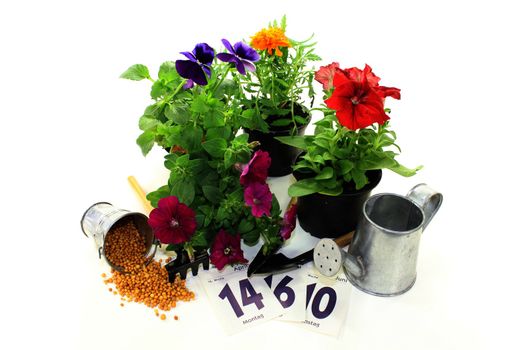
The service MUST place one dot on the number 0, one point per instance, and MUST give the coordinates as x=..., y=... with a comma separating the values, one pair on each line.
x=316, y=302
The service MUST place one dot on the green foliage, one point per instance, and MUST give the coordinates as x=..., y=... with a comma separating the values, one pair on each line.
x=339, y=158
x=136, y=72
x=278, y=85
x=201, y=125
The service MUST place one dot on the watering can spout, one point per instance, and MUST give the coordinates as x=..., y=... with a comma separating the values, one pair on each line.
x=428, y=199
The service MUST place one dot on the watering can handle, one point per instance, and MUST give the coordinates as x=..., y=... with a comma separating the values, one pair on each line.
x=428, y=199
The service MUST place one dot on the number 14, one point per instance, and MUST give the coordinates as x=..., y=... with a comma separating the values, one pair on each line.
x=283, y=293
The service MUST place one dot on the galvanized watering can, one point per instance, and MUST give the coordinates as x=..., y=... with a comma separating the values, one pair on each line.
x=382, y=258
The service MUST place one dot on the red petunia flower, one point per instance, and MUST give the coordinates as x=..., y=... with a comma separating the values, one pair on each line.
x=259, y=198
x=325, y=75
x=288, y=224
x=172, y=222
x=257, y=169
x=226, y=249
x=357, y=74
x=358, y=99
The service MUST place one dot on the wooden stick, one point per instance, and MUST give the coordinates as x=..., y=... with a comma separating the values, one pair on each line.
x=140, y=193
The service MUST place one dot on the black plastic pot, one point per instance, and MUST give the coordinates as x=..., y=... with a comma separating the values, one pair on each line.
x=332, y=216
x=283, y=156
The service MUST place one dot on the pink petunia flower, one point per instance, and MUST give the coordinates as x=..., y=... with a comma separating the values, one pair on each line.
x=325, y=75
x=172, y=222
x=257, y=169
x=288, y=224
x=226, y=249
x=259, y=198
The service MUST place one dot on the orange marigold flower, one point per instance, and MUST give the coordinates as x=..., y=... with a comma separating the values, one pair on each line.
x=270, y=39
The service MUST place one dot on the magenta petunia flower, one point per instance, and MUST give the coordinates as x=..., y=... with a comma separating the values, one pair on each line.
x=288, y=224
x=226, y=249
x=257, y=169
x=172, y=222
x=259, y=198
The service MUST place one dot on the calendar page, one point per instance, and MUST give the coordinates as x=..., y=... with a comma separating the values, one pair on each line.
x=301, y=295
x=327, y=301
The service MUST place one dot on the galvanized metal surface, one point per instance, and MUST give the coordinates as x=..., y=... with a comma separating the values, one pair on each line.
x=98, y=220
x=383, y=255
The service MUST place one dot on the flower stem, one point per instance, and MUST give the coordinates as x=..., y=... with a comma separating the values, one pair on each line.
x=170, y=96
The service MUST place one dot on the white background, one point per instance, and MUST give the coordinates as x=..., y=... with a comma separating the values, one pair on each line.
x=68, y=130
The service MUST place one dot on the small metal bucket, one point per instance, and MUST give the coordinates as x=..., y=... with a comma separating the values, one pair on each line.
x=101, y=217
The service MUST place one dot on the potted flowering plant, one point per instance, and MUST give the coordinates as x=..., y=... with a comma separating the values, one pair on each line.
x=216, y=194
x=342, y=161
x=274, y=102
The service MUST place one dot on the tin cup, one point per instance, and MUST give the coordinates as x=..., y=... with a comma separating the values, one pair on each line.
x=101, y=217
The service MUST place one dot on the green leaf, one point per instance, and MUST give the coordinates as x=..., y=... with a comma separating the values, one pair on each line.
x=178, y=114
x=146, y=141
x=167, y=71
x=276, y=208
x=300, y=120
x=170, y=160
x=158, y=89
x=245, y=226
x=379, y=163
x=241, y=139
x=212, y=194
x=294, y=141
x=404, y=171
x=336, y=191
x=326, y=173
x=210, y=178
x=303, y=188
x=183, y=161
x=359, y=178
x=191, y=138
x=345, y=166
x=283, y=23
x=157, y=195
x=154, y=110
x=215, y=147
x=184, y=191
x=136, y=72
x=147, y=123
x=198, y=166
x=282, y=122
x=229, y=158
x=323, y=143
x=223, y=132
x=252, y=120
x=251, y=238
x=212, y=120
x=199, y=239
x=328, y=156
x=200, y=105
x=228, y=87
x=318, y=159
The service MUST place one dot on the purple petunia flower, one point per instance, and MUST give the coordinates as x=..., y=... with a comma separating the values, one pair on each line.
x=259, y=198
x=241, y=54
x=197, y=66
